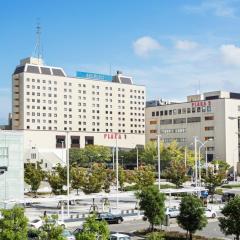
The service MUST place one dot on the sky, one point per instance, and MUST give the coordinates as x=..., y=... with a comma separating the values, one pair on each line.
x=173, y=47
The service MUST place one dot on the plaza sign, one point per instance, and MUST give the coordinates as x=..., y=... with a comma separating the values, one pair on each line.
x=201, y=104
x=110, y=136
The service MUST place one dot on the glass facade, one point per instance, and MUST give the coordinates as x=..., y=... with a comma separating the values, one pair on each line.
x=11, y=167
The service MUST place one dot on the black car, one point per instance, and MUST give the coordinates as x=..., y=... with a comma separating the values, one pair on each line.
x=109, y=218
x=226, y=197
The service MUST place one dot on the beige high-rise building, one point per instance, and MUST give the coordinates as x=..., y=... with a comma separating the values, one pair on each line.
x=210, y=116
x=54, y=109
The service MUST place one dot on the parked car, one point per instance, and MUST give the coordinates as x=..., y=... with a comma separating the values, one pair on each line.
x=210, y=213
x=227, y=196
x=119, y=236
x=38, y=223
x=109, y=218
x=172, y=212
x=68, y=235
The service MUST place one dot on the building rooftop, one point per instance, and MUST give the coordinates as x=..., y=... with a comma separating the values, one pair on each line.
x=198, y=97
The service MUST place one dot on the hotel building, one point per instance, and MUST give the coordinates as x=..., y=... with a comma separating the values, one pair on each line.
x=211, y=115
x=54, y=110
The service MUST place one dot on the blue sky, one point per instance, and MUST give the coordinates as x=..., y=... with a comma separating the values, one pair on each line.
x=169, y=46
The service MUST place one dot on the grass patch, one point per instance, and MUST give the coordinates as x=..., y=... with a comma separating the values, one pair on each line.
x=162, y=235
x=229, y=186
x=135, y=188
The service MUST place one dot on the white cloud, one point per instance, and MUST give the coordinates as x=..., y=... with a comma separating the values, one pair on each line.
x=220, y=8
x=145, y=45
x=231, y=54
x=186, y=45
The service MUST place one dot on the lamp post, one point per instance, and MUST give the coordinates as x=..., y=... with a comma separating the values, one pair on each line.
x=234, y=170
x=68, y=175
x=117, y=168
x=195, y=158
x=202, y=144
x=113, y=153
x=159, y=157
x=137, y=157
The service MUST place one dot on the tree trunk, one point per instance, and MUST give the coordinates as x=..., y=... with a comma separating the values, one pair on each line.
x=237, y=237
x=152, y=227
x=190, y=236
x=77, y=192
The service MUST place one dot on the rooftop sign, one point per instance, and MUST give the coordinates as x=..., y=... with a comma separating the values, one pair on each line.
x=96, y=76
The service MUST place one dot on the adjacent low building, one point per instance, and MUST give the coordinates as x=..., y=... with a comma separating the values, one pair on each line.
x=11, y=167
x=210, y=116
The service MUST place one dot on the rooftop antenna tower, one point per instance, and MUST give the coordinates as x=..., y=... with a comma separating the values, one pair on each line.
x=199, y=85
x=38, y=48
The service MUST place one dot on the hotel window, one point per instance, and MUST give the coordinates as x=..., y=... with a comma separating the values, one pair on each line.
x=165, y=112
x=153, y=114
x=207, y=118
x=193, y=119
x=151, y=122
x=179, y=111
x=166, y=121
x=208, y=108
x=209, y=128
x=188, y=110
x=193, y=110
x=208, y=138
x=153, y=131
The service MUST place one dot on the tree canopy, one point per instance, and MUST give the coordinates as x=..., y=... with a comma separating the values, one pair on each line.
x=191, y=217
x=229, y=224
x=93, y=229
x=33, y=175
x=90, y=154
x=151, y=201
x=13, y=224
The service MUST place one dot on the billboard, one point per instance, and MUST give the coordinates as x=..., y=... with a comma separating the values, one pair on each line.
x=95, y=76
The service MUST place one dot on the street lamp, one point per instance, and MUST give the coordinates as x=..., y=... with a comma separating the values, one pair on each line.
x=117, y=168
x=68, y=175
x=202, y=144
x=234, y=170
x=159, y=157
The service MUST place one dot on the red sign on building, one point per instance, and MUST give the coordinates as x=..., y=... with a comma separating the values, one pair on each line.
x=114, y=136
x=201, y=104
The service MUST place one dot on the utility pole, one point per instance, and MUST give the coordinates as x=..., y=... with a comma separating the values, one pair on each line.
x=159, y=158
x=195, y=158
x=117, y=167
x=137, y=158
x=67, y=161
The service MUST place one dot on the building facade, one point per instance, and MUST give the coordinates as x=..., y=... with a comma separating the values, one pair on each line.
x=212, y=116
x=54, y=110
x=11, y=167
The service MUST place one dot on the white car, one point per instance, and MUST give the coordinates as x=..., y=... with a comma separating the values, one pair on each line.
x=210, y=213
x=119, y=236
x=68, y=235
x=37, y=223
x=172, y=212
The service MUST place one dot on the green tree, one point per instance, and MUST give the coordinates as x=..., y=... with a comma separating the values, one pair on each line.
x=213, y=180
x=121, y=177
x=230, y=223
x=93, y=229
x=50, y=230
x=57, y=179
x=77, y=174
x=191, y=217
x=149, y=155
x=151, y=201
x=144, y=176
x=33, y=175
x=108, y=177
x=90, y=154
x=176, y=172
x=94, y=179
x=13, y=224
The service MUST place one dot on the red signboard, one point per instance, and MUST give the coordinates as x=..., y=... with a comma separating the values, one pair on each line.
x=114, y=136
x=201, y=104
